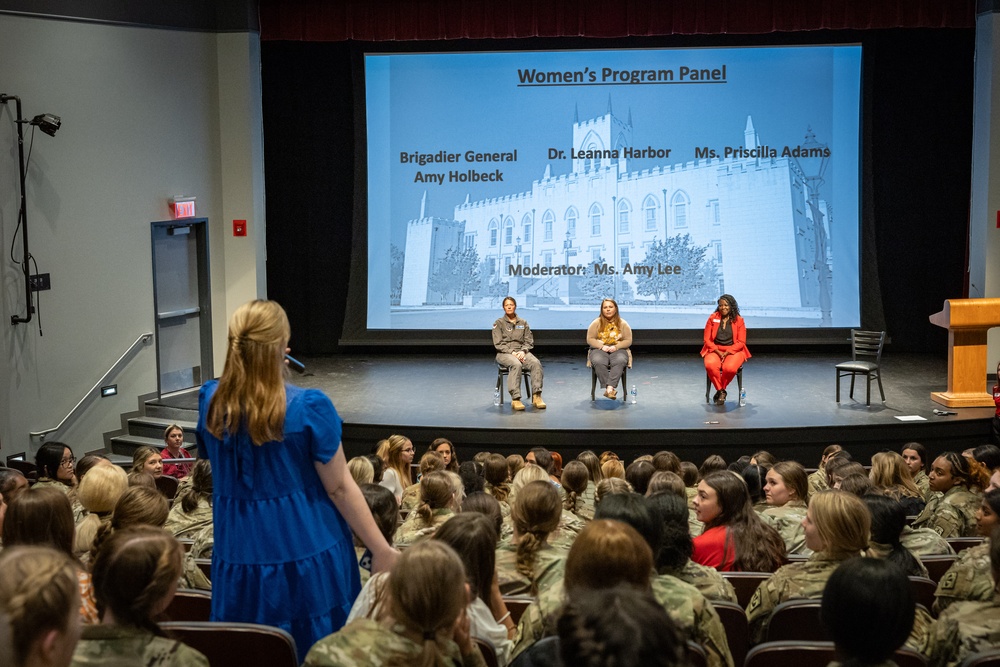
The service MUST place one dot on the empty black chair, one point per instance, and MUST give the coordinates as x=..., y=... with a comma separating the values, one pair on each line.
x=866, y=359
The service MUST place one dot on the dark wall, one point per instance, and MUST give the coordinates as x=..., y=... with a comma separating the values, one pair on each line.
x=917, y=124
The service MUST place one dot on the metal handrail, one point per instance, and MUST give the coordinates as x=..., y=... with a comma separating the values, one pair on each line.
x=142, y=339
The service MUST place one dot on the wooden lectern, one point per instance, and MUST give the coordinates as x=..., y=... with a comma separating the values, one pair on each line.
x=967, y=321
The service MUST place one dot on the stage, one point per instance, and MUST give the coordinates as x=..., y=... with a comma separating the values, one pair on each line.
x=791, y=407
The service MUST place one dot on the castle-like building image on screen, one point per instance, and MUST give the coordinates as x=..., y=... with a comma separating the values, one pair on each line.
x=738, y=224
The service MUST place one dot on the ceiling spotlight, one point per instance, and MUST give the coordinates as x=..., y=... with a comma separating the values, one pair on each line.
x=47, y=123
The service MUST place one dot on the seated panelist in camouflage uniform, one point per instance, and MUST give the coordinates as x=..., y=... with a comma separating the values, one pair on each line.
x=951, y=512
x=787, y=491
x=965, y=628
x=970, y=577
x=513, y=341
x=425, y=624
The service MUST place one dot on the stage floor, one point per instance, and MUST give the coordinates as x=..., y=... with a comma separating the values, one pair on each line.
x=790, y=406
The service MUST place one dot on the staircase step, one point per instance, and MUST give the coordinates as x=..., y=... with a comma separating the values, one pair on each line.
x=127, y=444
x=153, y=427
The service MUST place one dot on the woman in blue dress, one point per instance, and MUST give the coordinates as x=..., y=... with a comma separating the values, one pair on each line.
x=284, y=500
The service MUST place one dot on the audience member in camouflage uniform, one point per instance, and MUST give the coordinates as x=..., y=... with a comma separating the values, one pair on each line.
x=837, y=526
x=530, y=565
x=135, y=574
x=888, y=520
x=440, y=498
x=925, y=542
x=193, y=576
x=954, y=513
x=817, y=479
x=575, y=480
x=965, y=628
x=787, y=492
x=429, y=462
x=915, y=456
x=425, y=621
x=970, y=577
x=674, y=556
x=868, y=609
x=608, y=553
x=192, y=509
x=39, y=605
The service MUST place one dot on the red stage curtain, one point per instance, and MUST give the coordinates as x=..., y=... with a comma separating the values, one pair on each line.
x=405, y=20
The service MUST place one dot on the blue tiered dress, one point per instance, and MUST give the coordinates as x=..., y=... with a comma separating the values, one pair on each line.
x=283, y=553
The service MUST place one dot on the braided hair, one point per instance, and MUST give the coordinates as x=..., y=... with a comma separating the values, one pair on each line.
x=535, y=514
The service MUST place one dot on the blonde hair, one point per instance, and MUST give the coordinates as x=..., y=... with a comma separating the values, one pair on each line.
x=526, y=475
x=98, y=493
x=394, y=460
x=842, y=521
x=610, y=486
x=891, y=474
x=39, y=592
x=251, y=391
x=361, y=470
x=535, y=514
x=427, y=594
x=613, y=468
x=140, y=456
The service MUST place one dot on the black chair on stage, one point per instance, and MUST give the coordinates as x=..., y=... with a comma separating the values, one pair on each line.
x=503, y=372
x=866, y=359
x=739, y=383
x=623, y=384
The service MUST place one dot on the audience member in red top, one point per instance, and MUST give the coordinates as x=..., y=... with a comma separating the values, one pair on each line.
x=173, y=436
x=735, y=537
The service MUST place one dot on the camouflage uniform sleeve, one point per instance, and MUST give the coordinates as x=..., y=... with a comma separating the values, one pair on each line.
x=920, y=635
x=533, y=626
x=942, y=649
x=946, y=521
x=711, y=635
x=763, y=602
x=968, y=578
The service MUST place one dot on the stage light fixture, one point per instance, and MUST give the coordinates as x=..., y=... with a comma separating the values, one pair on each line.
x=47, y=123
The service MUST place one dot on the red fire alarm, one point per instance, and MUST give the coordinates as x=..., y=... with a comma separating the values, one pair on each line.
x=239, y=227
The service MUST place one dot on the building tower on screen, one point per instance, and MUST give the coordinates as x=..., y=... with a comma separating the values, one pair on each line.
x=672, y=235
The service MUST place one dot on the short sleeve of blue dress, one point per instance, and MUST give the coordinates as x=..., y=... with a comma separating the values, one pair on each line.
x=283, y=554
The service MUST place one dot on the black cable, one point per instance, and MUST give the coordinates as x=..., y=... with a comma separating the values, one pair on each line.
x=38, y=297
x=21, y=212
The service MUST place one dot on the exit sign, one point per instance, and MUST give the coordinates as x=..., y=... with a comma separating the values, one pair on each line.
x=183, y=207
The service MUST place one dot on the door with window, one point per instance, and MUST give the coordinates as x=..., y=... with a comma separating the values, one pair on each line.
x=182, y=303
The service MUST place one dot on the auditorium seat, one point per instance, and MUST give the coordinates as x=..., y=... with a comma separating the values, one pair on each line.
x=746, y=584
x=167, y=485
x=189, y=605
x=814, y=654
x=489, y=653
x=960, y=544
x=937, y=565
x=797, y=620
x=734, y=620
x=923, y=591
x=237, y=644
x=989, y=658
x=516, y=604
